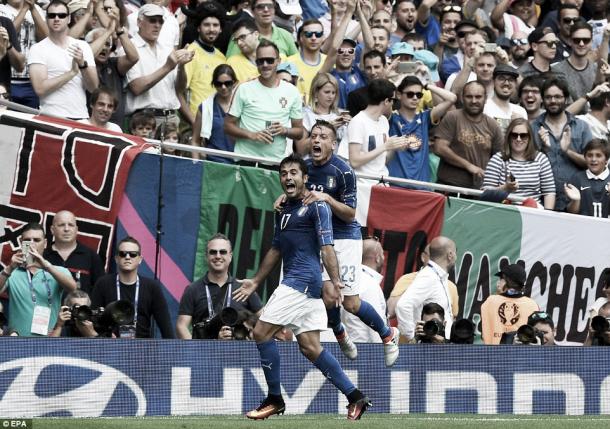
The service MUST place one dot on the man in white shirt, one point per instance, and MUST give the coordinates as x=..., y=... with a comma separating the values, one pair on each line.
x=62, y=68
x=430, y=285
x=170, y=31
x=370, y=291
x=499, y=106
x=152, y=81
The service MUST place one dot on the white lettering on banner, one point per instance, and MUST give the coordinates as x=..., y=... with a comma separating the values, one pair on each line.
x=439, y=382
x=399, y=391
x=525, y=384
x=182, y=403
x=89, y=400
x=604, y=396
x=304, y=394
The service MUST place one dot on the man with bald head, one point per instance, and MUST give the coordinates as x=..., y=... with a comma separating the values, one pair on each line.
x=370, y=291
x=84, y=264
x=430, y=285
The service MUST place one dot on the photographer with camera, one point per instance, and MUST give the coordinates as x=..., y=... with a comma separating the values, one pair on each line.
x=599, y=328
x=431, y=328
x=508, y=310
x=544, y=327
x=34, y=285
x=69, y=324
x=144, y=294
x=207, y=304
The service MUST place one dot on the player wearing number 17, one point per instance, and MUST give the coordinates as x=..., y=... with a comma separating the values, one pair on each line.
x=332, y=180
x=302, y=233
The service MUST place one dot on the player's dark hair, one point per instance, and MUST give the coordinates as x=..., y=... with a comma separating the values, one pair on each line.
x=598, y=144
x=294, y=158
x=325, y=124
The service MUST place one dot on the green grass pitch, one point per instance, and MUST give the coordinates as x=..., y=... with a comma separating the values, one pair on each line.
x=326, y=421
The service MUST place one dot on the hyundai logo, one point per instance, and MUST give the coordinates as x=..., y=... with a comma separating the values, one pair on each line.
x=64, y=386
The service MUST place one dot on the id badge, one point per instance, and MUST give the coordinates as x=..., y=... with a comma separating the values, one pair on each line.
x=40, y=320
x=127, y=331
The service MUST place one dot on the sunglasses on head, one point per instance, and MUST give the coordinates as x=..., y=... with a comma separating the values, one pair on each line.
x=124, y=254
x=265, y=60
x=519, y=42
x=60, y=15
x=226, y=83
x=452, y=8
x=346, y=51
x=411, y=94
x=263, y=6
x=539, y=315
x=310, y=34
x=214, y=252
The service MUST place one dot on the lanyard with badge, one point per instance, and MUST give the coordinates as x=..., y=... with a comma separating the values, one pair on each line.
x=42, y=315
x=445, y=289
x=227, y=300
x=129, y=331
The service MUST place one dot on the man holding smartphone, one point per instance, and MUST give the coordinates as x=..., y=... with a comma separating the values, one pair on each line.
x=34, y=285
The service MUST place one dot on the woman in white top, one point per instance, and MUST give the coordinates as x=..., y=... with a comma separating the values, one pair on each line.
x=323, y=99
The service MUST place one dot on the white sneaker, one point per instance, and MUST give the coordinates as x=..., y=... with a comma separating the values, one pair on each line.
x=348, y=347
x=390, y=349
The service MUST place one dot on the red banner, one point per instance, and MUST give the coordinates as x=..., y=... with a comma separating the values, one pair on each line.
x=48, y=165
x=405, y=221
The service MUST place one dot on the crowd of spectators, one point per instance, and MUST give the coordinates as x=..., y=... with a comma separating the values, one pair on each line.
x=479, y=94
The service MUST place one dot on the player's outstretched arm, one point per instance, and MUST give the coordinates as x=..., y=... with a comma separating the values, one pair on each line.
x=329, y=259
x=249, y=286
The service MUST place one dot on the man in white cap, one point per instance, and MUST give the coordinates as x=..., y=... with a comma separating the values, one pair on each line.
x=152, y=81
x=170, y=31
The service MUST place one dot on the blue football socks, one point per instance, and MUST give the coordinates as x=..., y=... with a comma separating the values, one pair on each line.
x=334, y=321
x=270, y=361
x=368, y=315
x=331, y=369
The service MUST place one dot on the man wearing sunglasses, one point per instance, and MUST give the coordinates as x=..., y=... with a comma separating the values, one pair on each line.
x=578, y=69
x=309, y=59
x=265, y=111
x=145, y=294
x=498, y=106
x=543, y=42
x=62, y=68
x=264, y=13
x=208, y=295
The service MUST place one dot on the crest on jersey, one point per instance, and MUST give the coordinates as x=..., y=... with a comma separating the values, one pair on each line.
x=302, y=211
x=330, y=182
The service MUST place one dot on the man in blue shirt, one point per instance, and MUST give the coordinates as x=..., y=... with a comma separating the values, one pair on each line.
x=302, y=233
x=333, y=181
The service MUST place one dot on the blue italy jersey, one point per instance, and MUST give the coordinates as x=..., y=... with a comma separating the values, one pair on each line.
x=299, y=233
x=337, y=179
x=411, y=163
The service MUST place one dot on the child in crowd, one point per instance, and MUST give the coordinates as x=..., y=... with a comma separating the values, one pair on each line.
x=142, y=124
x=169, y=134
x=589, y=190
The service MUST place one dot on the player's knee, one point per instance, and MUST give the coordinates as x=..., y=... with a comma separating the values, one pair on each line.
x=310, y=351
x=351, y=304
x=329, y=302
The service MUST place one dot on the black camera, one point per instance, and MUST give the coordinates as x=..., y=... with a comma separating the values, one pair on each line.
x=105, y=319
x=228, y=316
x=529, y=335
x=462, y=332
x=600, y=325
x=432, y=328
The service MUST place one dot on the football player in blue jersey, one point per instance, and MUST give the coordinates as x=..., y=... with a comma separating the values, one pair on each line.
x=332, y=180
x=302, y=233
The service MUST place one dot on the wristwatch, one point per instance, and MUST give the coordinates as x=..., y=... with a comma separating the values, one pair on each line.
x=84, y=66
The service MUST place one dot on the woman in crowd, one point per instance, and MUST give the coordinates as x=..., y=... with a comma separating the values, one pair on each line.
x=323, y=99
x=208, y=130
x=520, y=168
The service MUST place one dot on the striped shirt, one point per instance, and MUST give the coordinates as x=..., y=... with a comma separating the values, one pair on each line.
x=535, y=177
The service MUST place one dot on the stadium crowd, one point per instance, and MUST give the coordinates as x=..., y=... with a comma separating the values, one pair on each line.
x=510, y=97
